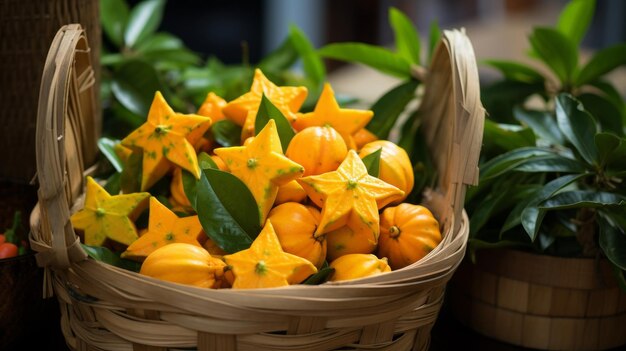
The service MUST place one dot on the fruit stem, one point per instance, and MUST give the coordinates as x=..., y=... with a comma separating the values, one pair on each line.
x=394, y=232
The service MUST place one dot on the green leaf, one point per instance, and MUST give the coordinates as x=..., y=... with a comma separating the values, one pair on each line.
x=507, y=137
x=515, y=216
x=613, y=95
x=168, y=59
x=205, y=161
x=159, y=42
x=478, y=244
x=134, y=85
x=606, y=143
x=516, y=71
x=508, y=161
x=613, y=243
x=583, y=198
x=434, y=34
x=227, y=210
x=491, y=204
x=113, y=16
x=226, y=133
x=575, y=19
x=602, y=63
x=406, y=36
x=107, y=147
x=280, y=59
x=373, y=56
x=532, y=215
x=542, y=123
x=389, y=107
x=189, y=180
x=130, y=181
x=372, y=162
x=500, y=98
x=111, y=59
x=105, y=255
x=113, y=184
x=311, y=62
x=549, y=163
x=557, y=51
x=268, y=111
x=144, y=19
x=604, y=111
x=578, y=126
x=320, y=277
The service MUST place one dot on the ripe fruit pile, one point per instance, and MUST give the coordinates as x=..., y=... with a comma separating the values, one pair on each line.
x=302, y=194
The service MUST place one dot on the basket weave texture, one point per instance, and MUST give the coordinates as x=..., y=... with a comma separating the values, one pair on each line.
x=108, y=308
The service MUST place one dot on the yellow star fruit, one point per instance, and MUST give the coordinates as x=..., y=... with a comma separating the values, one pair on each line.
x=106, y=216
x=167, y=139
x=349, y=196
x=164, y=227
x=266, y=265
x=287, y=99
x=262, y=166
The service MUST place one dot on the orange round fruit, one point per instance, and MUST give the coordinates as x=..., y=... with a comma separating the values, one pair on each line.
x=347, y=240
x=395, y=165
x=290, y=192
x=295, y=226
x=317, y=149
x=407, y=233
x=355, y=266
x=362, y=137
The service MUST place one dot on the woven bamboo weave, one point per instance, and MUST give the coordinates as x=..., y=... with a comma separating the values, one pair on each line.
x=108, y=308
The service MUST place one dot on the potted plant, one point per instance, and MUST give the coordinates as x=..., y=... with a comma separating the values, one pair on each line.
x=551, y=199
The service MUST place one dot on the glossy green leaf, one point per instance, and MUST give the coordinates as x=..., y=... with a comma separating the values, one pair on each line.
x=578, y=126
x=615, y=160
x=107, y=147
x=159, y=42
x=496, y=201
x=134, y=85
x=372, y=162
x=500, y=98
x=143, y=20
x=506, y=137
x=189, y=180
x=113, y=184
x=606, y=143
x=515, y=216
x=602, y=62
x=583, y=198
x=542, y=123
x=170, y=59
x=320, y=277
x=575, y=19
x=227, y=210
x=113, y=17
x=434, y=34
x=406, y=36
x=613, y=243
x=532, y=215
x=280, y=59
x=614, y=216
x=268, y=111
x=111, y=59
x=516, y=71
x=103, y=254
x=311, y=61
x=131, y=173
x=557, y=51
x=226, y=133
x=609, y=92
x=389, y=107
x=550, y=163
x=373, y=56
x=604, y=111
x=508, y=161
x=205, y=161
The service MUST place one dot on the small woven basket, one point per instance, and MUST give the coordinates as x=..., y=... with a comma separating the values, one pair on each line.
x=107, y=308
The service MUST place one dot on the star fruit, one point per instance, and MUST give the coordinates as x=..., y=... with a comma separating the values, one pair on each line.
x=262, y=166
x=349, y=196
x=106, y=216
x=266, y=265
x=287, y=99
x=164, y=227
x=327, y=112
x=167, y=139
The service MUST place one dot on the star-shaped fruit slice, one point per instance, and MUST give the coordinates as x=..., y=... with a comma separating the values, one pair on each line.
x=287, y=99
x=167, y=139
x=106, y=216
x=262, y=166
x=164, y=227
x=349, y=195
x=266, y=265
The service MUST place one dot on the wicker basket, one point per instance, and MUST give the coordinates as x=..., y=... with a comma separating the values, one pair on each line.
x=108, y=308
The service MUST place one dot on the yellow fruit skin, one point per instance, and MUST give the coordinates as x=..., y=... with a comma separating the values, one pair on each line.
x=362, y=137
x=407, y=233
x=355, y=266
x=177, y=190
x=295, y=226
x=348, y=240
x=317, y=149
x=290, y=192
x=184, y=264
x=395, y=165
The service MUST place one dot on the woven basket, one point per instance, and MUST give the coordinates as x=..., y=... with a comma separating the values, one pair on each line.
x=108, y=308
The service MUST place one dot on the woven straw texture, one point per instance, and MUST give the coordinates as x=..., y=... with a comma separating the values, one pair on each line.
x=27, y=29
x=107, y=308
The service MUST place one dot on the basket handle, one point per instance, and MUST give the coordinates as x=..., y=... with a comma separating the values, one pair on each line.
x=66, y=96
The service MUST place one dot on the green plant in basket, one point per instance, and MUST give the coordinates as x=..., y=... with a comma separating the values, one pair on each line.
x=216, y=174
x=551, y=177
